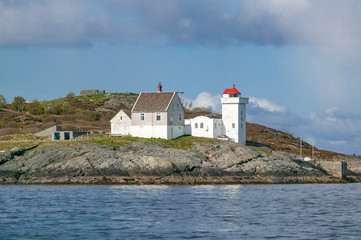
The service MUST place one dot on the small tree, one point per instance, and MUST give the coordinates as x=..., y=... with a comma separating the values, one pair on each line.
x=18, y=104
x=69, y=97
x=36, y=108
x=190, y=105
x=2, y=99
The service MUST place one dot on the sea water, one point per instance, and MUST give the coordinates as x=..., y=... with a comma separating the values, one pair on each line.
x=309, y=211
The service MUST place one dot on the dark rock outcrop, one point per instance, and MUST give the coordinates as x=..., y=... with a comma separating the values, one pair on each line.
x=155, y=163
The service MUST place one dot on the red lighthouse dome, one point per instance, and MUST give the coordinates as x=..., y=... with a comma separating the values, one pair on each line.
x=232, y=91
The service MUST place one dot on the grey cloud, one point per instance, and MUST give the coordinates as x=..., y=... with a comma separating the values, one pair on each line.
x=201, y=22
x=275, y=22
x=51, y=22
x=186, y=22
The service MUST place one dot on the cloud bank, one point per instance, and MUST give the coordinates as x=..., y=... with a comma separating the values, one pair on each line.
x=187, y=22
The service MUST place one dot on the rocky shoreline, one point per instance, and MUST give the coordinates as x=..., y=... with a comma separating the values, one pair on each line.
x=156, y=163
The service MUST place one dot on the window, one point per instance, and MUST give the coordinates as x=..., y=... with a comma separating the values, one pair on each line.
x=180, y=117
x=241, y=113
x=121, y=118
x=241, y=125
x=196, y=125
x=177, y=105
x=233, y=125
x=66, y=135
x=171, y=117
x=56, y=136
x=201, y=125
x=215, y=125
x=158, y=117
x=142, y=117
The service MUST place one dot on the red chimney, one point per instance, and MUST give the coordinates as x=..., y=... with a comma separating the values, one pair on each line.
x=159, y=87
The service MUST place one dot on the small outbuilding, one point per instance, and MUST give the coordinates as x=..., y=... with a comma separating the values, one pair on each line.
x=57, y=133
x=203, y=126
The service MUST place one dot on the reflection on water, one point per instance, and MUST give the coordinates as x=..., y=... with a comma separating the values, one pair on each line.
x=209, y=211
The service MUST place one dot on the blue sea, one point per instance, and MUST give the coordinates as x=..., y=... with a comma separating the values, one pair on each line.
x=309, y=211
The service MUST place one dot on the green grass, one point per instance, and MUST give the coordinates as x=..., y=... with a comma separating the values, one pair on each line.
x=27, y=140
x=93, y=98
x=49, y=103
x=21, y=141
x=185, y=142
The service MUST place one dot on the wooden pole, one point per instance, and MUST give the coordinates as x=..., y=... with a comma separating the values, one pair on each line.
x=313, y=151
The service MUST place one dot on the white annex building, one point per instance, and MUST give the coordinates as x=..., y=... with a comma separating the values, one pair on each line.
x=161, y=115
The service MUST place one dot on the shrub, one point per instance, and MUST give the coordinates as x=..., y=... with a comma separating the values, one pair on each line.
x=96, y=116
x=203, y=109
x=36, y=108
x=57, y=109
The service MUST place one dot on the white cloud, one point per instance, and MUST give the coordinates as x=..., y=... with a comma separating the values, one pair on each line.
x=205, y=99
x=332, y=130
x=266, y=104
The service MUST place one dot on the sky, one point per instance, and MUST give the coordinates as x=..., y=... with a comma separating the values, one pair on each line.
x=298, y=61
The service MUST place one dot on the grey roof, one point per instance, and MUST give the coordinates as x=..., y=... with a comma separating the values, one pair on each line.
x=153, y=102
x=127, y=112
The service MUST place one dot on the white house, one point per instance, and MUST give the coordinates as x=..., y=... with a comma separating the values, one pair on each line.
x=154, y=115
x=120, y=123
x=161, y=115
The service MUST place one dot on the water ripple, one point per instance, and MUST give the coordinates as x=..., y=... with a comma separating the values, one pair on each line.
x=192, y=212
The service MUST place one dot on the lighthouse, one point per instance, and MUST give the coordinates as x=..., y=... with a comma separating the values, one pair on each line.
x=234, y=115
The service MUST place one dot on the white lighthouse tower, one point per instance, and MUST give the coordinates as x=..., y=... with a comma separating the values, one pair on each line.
x=234, y=115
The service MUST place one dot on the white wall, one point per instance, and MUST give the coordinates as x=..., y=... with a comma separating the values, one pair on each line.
x=150, y=131
x=218, y=128
x=206, y=130
x=175, y=131
x=120, y=124
x=234, y=112
x=212, y=127
x=187, y=126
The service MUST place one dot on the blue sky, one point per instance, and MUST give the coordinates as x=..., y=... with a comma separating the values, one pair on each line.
x=298, y=60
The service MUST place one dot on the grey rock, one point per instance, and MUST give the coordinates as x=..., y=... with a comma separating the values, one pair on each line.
x=103, y=110
x=154, y=162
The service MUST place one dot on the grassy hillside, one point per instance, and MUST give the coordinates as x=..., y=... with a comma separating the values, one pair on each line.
x=93, y=113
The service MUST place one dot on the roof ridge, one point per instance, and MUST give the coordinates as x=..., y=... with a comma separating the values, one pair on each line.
x=170, y=101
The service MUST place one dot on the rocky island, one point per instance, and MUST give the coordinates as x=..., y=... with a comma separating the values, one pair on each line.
x=269, y=156
x=155, y=162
